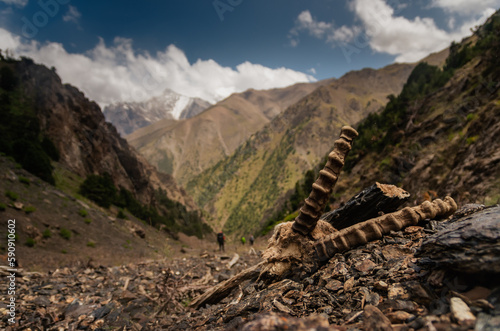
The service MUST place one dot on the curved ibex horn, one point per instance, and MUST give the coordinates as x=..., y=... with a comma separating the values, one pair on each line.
x=375, y=228
x=315, y=204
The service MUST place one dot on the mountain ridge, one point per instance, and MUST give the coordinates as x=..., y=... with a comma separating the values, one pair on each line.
x=187, y=147
x=128, y=117
x=243, y=190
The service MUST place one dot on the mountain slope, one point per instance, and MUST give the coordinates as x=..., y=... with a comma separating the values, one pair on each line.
x=128, y=117
x=188, y=147
x=56, y=229
x=446, y=141
x=438, y=137
x=38, y=106
x=245, y=189
x=241, y=191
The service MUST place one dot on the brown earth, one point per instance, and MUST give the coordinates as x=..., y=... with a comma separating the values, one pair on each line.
x=383, y=285
x=95, y=234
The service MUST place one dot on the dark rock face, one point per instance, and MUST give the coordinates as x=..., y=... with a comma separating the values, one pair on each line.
x=86, y=142
x=470, y=245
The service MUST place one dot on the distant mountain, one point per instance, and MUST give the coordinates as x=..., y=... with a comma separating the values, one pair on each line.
x=186, y=148
x=244, y=189
x=128, y=117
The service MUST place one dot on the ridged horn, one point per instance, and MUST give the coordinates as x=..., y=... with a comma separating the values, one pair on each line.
x=314, y=205
x=375, y=228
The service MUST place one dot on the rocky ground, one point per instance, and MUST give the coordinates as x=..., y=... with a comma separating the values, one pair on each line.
x=388, y=284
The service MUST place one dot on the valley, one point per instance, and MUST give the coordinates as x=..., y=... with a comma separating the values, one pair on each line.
x=117, y=222
x=186, y=148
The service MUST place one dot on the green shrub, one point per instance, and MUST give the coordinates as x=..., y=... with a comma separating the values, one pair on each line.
x=99, y=189
x=121, y=214
x=87, y=221
x=30, y=242
x=11, y=195
x=471, y=117
x=64, y=251
x=31, y=156
x=83, y=213
x=65, y=233
x=50, y=149
x=46, y=233
x=3, y=206
x=8, y=79
x=24, y=180
x=91, y=244
x=29, y=209
x=471, y=140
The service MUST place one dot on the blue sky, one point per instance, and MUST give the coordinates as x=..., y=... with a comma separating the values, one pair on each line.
x=129, y=50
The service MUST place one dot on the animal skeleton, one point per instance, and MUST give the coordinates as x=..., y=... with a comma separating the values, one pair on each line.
x=300, y=247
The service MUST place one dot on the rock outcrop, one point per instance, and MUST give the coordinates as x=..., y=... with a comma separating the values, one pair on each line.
x=86, y=142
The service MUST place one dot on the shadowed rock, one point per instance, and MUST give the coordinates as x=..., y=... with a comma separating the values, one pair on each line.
x=470, y=245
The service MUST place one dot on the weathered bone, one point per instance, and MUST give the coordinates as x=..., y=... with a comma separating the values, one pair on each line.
x=367, y=204
x=290, y=254
x=321, y=189
x=362, y=233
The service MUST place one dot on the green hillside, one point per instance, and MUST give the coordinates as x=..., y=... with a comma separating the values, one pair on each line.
x=240, y=192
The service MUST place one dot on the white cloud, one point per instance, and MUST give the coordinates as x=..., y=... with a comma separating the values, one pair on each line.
x=117, y=72
x=72, y=15
x=380, y=28
x=320, y=30
x=18, y=3
x=315, y=28
x=409, y=39
x=383, y=31
x=466, y=7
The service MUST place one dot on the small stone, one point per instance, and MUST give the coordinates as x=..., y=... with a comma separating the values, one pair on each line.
x=281, y=307
x=487, y=322
x=373, y=299
x=461, y=312
x=373, y=319
x=400, y=317
x=18, y=205
x=365, y=266
x=397, y=291
x=418, y=293
x=333, y=285
x=413, y=229
x=349, y=284
x=340, y=269
x=436, y=277
x=381, y=285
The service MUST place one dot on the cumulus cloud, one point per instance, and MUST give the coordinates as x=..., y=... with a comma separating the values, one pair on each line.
x=466, y=7
x=18, y=3
x=117, y=72
x=320, y=30
x=72, y=15
x=379, y=27
x=408, y=39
